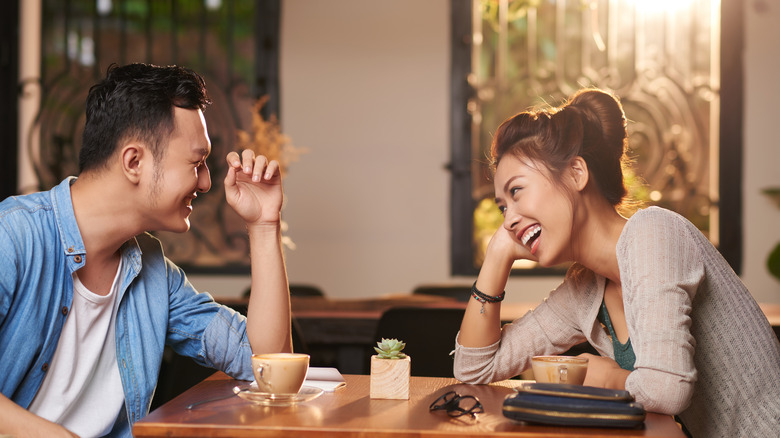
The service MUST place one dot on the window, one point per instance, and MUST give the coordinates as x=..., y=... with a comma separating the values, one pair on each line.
x=663, y=59
x=233, y=44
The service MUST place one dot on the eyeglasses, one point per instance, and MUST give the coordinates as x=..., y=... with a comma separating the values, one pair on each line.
x=457, y=405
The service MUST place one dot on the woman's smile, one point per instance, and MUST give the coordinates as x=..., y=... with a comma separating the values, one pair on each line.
x=530, y=237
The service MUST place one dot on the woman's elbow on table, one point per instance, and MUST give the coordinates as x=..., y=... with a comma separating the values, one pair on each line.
x=476, y=365
x=472, y=378
x=663, y=399
x=472, y=372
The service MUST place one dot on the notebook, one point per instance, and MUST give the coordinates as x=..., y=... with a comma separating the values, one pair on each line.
x=326, y=378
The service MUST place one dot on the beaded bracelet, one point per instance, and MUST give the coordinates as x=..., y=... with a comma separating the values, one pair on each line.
x=484, y=298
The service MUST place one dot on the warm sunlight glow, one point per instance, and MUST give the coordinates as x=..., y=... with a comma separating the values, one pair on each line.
x=655, y=7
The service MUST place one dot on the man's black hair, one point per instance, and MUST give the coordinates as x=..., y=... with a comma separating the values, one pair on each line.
x=136, y=102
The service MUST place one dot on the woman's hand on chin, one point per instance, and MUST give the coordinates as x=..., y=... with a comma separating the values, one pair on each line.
x=504, y=245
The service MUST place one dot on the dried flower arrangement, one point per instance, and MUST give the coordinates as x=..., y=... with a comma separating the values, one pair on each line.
x=266, y=138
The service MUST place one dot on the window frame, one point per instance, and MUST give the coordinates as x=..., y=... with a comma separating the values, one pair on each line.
x=729, y=199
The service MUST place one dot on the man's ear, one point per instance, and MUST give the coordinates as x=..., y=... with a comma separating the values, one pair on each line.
x=579, y=173
x=134, y=156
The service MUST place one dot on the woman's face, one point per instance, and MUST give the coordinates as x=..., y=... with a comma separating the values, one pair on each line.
x=537, y=212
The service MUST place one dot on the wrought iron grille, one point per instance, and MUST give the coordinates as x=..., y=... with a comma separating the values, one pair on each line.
x=661, y=58
x=232, y=43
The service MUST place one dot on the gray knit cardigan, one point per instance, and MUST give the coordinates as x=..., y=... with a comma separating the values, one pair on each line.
x=704, y=349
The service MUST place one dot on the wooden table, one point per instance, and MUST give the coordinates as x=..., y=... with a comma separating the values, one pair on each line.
x=355, y=320
x=373, y=307
x=341, y=332
x=349, y=412
x=347, y=327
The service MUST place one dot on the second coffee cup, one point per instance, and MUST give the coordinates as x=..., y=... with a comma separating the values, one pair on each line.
x=280, y=373
x=560, y=369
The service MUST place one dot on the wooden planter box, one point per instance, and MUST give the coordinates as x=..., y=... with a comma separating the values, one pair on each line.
x=390, y=377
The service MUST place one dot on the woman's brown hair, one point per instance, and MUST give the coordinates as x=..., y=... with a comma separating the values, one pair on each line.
x=591, y=124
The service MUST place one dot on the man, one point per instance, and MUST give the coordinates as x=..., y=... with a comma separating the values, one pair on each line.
x=88, y=300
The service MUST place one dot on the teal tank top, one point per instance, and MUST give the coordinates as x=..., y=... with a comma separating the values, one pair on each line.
x=624, y=353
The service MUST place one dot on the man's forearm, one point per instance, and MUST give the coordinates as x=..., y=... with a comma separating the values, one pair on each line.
x=17, y=421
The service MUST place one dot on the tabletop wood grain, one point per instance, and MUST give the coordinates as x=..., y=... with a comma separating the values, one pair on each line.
x=350, y=413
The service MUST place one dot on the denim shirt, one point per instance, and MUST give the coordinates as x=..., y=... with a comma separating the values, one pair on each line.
x=41, y=248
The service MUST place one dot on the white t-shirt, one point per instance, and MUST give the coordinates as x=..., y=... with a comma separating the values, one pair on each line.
x=82, y=390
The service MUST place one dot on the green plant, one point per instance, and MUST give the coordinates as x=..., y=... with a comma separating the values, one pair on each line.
x=773, y=261
x=390, y=349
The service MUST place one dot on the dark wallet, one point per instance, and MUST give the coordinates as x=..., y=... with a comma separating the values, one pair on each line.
x=573, y=405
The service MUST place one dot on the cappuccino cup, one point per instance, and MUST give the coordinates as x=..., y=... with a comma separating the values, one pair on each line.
x=560, y=369
x=280, y=373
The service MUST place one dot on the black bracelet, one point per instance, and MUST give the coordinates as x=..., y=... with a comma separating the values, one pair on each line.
x=484, y=298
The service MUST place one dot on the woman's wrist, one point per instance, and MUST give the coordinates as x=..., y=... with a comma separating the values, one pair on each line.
x=494, y=274
x=499, y=259
x=485, y=298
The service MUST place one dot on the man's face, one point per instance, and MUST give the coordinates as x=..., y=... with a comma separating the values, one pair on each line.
x=180, y=174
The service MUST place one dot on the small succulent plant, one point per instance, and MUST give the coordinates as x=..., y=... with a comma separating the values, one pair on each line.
x=390, y=349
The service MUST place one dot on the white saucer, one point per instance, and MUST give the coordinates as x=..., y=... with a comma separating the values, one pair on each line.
x=306, y=393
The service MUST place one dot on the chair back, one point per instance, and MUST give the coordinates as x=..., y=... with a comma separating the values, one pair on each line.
x=296, y=290
x=429, y=334
x=305, y=290
x=460, y=292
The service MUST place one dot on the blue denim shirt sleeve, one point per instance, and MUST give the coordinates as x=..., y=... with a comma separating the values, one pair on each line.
x=35, y=292
x=212, y=334
x=8, y=279
x=161, y=307
x=8, y=270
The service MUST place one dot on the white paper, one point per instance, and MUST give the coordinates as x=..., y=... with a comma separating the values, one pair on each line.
x=326, y=378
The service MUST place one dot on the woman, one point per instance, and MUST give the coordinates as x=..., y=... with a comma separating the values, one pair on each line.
x=672, y=322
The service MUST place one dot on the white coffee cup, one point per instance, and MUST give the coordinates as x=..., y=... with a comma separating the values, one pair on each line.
x=560, y=369
x=280, y=373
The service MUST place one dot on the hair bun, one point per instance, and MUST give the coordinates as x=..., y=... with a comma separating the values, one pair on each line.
x=603, y=112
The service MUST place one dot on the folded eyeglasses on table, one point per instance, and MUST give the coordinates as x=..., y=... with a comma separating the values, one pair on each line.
x=457, y=405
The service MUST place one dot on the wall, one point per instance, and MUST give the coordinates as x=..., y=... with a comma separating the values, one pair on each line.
x=761, y=217
x=365, y=87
